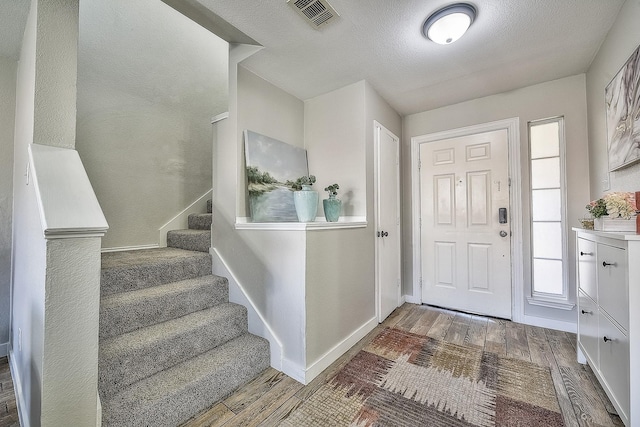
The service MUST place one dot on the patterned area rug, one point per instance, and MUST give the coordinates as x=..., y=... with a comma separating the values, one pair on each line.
x=404, y=379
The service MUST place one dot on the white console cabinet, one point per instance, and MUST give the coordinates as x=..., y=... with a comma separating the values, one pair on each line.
x=609, y=315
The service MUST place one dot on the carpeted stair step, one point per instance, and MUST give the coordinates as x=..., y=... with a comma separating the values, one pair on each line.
x=132, y=270
x=209, y=206
x=190, y=240
x=200, y=221
x=172, y=396
x=127, y=311
x=128, y=358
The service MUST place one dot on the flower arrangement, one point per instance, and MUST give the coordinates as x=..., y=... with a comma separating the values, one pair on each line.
x=298, y=183
x=616, y=205
x=333, y=190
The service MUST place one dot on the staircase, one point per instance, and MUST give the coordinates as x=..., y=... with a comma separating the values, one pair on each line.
x=171, y=343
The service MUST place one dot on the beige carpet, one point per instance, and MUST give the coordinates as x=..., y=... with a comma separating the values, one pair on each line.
x=404, y=379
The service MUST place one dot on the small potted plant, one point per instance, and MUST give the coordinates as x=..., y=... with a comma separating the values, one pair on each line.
x=613, y=212
x=304, y=198
x=332, y=205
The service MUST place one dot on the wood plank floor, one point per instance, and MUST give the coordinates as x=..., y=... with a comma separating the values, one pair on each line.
x=272, y=396
x=8, y=409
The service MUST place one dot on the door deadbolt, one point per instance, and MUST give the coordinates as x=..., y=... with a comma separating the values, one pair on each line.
x=503, y=233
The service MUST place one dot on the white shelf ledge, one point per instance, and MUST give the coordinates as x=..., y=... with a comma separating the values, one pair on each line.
x=244, y=223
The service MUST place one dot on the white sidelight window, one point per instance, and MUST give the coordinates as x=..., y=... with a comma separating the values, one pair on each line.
x=548, y=213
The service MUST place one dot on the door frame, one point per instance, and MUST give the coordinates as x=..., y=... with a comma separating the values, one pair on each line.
x=377, y=127
x=512, y=126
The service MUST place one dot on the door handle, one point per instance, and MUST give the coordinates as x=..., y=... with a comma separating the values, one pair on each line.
x=383, y=233
x=606, y=264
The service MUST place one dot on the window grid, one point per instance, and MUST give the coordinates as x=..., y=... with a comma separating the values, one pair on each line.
x=547, y=282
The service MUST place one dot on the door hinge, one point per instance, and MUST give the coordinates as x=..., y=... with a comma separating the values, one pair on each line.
x=419, y=164
x=509, y=182
x=420, y=281
x=398, y=282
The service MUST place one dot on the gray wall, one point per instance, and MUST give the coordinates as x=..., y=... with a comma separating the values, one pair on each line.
x=149, y=82
x=7, y=117
x=564, y=97
x=620, y=43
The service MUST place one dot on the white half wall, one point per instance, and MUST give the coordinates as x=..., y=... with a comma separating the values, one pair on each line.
x=8, y=68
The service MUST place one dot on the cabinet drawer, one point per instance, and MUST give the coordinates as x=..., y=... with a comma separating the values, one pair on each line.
x=587, y=267
x=588, y=327
x=613, y=295
x=614, y=362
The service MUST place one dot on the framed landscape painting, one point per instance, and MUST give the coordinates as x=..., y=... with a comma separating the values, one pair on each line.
x=622, y=101
x=270, y=164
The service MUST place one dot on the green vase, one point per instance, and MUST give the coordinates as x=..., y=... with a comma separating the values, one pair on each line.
x=306, y=203
x=332, y=208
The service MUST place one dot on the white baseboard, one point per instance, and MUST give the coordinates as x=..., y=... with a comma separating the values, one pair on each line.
x=181, y=221
x=17, y=385
x=129, y=248
x=341, y=348
x=293, y=370
x=412, y=299
x=4, y=349
x=257, y=323
x=542, y=322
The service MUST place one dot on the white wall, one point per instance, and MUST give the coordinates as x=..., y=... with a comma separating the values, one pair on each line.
x=28, y=250
x=565, y=97
x=268, y=110
x=622, y=40
x=314, y=288
x=340, y=288
x=149, y=82
x=7, y=116
x=53, y=355
x=334, y=137
x=339, y=136
x=265, y=263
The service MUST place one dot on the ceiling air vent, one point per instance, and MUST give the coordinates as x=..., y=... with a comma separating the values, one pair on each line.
x=317, y=13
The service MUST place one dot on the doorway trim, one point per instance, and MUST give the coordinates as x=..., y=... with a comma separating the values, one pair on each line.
x=512, y=126
x=377, y=128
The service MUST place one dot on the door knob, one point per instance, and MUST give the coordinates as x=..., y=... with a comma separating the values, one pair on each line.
x=503, y=233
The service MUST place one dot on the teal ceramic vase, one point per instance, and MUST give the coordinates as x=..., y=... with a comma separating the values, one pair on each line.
x=332, y=207
x=306, y=202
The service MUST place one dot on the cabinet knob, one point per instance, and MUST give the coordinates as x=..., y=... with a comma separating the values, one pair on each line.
x=607, y=339
x=586, y=312
x=606, y=264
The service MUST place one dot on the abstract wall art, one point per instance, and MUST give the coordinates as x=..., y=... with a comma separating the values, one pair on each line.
x=270, y=164
x=622, y=98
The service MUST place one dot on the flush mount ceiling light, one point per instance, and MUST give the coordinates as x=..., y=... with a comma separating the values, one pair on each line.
x=448, y=24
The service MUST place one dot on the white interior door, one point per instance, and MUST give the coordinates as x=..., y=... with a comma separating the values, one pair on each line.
x=387, y=199
x=466, y=250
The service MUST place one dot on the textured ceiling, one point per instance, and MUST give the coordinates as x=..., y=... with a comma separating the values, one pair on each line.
x=512, y=43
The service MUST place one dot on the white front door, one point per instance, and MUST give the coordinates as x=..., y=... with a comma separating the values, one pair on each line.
x=466, y=246
x=387, y=199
